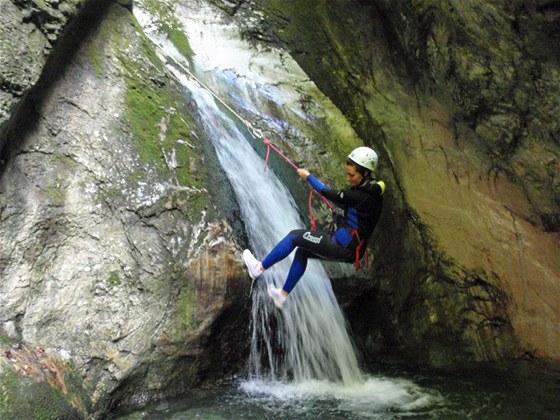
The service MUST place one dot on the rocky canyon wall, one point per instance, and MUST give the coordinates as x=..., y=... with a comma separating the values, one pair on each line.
x=117, y=265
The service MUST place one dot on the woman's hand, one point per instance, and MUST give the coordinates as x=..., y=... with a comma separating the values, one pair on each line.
x=303, y=173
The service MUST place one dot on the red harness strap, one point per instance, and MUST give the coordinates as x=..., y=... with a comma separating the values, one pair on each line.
x=312, y=219
x=358, y=248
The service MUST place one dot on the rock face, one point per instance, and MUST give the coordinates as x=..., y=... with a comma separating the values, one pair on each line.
x=114, y=256
x=460, y=100
x=29, y=31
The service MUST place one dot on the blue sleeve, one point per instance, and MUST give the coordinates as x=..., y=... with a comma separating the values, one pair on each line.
x=316, y=184
x=335, y=196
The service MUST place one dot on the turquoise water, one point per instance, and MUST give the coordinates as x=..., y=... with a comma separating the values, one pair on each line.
x=516, y=390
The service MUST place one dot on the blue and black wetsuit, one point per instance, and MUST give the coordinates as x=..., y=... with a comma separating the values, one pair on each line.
x=362, y=208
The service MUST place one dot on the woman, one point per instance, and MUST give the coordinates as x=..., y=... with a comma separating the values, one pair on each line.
x=361, y=202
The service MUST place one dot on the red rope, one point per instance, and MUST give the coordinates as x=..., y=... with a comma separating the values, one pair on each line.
x=358, y=248
x=269, y=146
x=312, y=219
x=327, y=202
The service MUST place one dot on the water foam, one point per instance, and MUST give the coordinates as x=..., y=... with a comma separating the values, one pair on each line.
x=367, y=399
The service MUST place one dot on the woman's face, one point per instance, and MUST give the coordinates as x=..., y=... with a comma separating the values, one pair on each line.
x=353, y=176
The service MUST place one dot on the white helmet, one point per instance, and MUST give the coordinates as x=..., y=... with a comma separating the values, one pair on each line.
x=364, y=156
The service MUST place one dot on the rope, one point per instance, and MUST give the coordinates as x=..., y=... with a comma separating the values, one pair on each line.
x=258, y=134
x=270, y=145
x=312, y=220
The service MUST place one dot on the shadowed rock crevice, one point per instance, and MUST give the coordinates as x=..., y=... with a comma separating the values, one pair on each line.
x=26, y=115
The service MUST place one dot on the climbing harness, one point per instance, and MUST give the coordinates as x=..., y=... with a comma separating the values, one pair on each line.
x=332, y=227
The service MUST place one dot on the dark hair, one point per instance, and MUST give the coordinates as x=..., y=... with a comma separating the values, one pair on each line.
x=364, y=172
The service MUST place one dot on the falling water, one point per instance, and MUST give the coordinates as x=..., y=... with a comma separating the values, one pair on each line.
x=308, y=339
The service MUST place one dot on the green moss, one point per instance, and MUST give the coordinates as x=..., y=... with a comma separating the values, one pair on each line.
x=22, y=399
x=113, y=279
x=156, y=114
x=187, y=308
x=180, y=41
x=78, y=395
x=143, y=114
x=111, y=192
x=94, y=57
x=146, y=110
x=167, y=22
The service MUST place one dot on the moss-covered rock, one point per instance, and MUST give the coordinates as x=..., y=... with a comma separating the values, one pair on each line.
x=110, y=200
x=450, y=94
x=34, y=385
x=167, y=23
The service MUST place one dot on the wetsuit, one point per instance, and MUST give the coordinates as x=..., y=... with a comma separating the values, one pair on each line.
x=362, y=208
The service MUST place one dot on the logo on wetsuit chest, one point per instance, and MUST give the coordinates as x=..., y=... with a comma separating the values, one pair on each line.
x=309, y=237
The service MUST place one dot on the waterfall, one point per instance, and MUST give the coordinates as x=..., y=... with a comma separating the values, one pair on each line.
x=309, y=339
x=302, y=359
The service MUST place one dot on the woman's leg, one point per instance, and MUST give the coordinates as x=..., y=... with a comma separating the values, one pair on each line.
x=282, y=249
x=278, y=253
x=310, y=244
x=296, y=270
